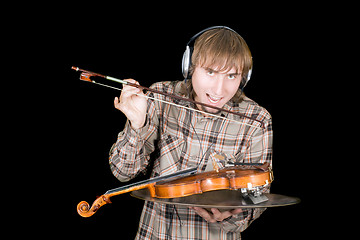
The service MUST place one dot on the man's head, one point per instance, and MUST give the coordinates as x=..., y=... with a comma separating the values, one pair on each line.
x=220, y=64
x=222, y=48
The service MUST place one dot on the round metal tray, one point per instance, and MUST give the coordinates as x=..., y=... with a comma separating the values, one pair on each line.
x=222, y=199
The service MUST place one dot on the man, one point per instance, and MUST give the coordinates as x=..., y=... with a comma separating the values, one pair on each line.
x=217, y=73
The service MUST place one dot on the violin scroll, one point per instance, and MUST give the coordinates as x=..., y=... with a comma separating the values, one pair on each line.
x=84, y=210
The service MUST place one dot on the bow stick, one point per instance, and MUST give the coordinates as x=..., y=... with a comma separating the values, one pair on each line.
x=85, y=76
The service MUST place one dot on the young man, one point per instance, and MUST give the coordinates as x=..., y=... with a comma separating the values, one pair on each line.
x=220, y=65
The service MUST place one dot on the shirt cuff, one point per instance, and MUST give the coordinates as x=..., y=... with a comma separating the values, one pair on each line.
x=234, y=224
x=134, y=136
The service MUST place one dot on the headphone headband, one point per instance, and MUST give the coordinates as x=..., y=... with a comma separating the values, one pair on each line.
x=186, y=60
x=207, y=29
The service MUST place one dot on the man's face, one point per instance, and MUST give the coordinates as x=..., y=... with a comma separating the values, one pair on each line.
x=213, y=87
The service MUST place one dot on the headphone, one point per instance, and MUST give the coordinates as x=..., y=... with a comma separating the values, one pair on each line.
x=186, y=60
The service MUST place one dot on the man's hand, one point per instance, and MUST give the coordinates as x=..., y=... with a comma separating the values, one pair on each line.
x=132, y=104
x=215, y=215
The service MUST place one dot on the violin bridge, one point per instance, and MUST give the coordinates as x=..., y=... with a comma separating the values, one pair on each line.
x=215, y=160
x=215, y=166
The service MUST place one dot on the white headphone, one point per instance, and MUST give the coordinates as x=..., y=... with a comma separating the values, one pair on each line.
x=186, y=60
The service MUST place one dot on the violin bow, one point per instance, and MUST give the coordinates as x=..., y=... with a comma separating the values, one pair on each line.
x=85, y=76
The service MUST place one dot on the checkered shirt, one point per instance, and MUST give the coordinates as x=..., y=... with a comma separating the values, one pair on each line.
x=184, y=139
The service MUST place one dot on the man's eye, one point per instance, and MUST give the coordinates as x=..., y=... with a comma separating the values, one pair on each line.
x=231, y=76
x=210, y=73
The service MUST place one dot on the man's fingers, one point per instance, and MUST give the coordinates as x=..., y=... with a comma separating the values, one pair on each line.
x=130, y=92
x=215, y=215
x=219, y=216
x=236, y=211
x=204, y=214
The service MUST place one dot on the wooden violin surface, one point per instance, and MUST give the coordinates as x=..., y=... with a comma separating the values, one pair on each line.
x=232, y=178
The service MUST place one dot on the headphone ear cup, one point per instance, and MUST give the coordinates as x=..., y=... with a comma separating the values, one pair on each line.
x=246, y=79
x=186, y=62
x=249, y=75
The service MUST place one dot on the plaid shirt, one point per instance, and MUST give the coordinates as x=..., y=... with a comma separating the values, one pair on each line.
x=186, y=139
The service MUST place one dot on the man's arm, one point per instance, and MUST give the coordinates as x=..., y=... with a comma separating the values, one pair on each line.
x=131, y=152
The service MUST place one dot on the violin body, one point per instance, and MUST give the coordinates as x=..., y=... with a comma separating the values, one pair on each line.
x=232, y=178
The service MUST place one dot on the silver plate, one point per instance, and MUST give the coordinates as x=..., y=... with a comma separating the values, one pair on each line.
x=222, y=199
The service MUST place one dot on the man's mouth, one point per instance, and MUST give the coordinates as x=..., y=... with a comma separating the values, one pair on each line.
x=213, y=99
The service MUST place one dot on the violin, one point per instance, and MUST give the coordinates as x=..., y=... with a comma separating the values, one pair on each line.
x=187, y=183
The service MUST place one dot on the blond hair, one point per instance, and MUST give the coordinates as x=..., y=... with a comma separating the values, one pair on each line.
x=223, y=49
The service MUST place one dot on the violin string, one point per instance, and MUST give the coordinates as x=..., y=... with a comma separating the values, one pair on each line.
x=181, y=106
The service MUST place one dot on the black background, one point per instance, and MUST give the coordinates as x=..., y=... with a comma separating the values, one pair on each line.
x=287, y=44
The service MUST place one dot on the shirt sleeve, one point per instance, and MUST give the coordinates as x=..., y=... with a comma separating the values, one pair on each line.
x=131, y=152
x=259, y=148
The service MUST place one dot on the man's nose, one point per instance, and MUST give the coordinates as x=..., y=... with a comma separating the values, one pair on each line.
x=219, y=85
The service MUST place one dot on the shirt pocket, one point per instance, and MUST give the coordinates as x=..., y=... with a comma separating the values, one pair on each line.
x=169, y=160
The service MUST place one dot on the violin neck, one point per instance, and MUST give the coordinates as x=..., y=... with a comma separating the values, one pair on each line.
x=84, y=209
x=149, y=182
